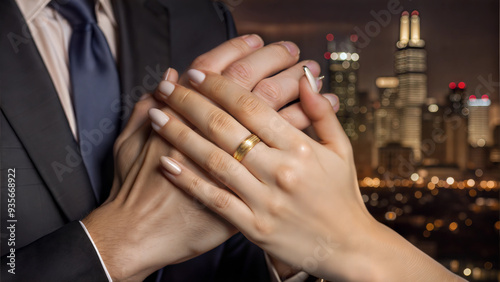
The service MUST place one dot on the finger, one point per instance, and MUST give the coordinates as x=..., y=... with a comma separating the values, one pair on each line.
x=210, y=120
x=208, y=156
x=219, y=58
x=326, y=125
x=294, y=114
x=281, y=89
x=138, y=118
x=219, y=200
x=170, y=75
x=249, y=110
x=264, y=62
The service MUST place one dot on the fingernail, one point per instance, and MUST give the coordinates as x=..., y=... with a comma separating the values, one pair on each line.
x=166, y=87
x=144, y=96
x=158, y=118
x=196, y=76
x=170, y=165
x=332, y=99
x=318, y=81
x=165, y=76
x=310, y=79
x=292, y=48
x=253, y=40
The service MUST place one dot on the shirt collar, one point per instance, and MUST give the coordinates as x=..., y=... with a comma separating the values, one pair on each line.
x=31, y=8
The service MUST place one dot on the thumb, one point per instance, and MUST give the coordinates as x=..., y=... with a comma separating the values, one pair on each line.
x=320, y=110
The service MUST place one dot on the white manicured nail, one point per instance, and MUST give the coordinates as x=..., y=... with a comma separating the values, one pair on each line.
x=166, y=74
x=159, y=119
x=166, y=88
x=310, y=78
x=170, y=165
x=196, y=76
x=333, y=101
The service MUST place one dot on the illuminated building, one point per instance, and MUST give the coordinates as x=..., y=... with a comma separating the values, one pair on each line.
x=455, y=120
x=434, y=137
x=387, y=122
x=478, y=128
x=410, y=67
x=343, y=66
x=394, y=161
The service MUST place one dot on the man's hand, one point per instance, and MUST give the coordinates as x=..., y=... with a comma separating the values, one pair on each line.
x=147, y=223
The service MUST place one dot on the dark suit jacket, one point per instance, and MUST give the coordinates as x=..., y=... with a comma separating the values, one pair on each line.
x=52, y=189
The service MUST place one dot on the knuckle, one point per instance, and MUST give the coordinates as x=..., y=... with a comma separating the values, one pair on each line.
x=281, y=51
x=218, y=86
x=270, y=91
x=218, y=122
x=289, y=117
x=276, y=208
x=263, y=226
x=302, y=149
x=184, y=96
x=239, y=45
x=201, y=62
x=286, y=178
x=194, y=184
x=221, y=199
x=240, y=72
x=183, y=136
x=249, y=105
x=216, y=163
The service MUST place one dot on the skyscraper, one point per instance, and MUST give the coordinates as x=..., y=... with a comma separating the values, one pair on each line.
x=478, y=128
x=455, y=121
x=387, y=123
x=410, y=67
x=343, y=71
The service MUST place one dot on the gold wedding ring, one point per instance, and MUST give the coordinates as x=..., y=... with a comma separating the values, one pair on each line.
x=245, y=147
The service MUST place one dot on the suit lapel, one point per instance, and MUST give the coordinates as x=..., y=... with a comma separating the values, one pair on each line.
x=31, y=106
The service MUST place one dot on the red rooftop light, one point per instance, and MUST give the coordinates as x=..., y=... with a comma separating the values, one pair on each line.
x=485, y=97
x=329, y=37
x=405, y=13
x=415, y=13
x=461, y=85
x=327, y=55
x=472, y=97
x=452, y=85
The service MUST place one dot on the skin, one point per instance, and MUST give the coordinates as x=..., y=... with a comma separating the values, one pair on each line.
x=298, y=199
x=147, y=222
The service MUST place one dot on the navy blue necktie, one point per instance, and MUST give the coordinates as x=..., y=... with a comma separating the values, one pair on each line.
x=95, y=89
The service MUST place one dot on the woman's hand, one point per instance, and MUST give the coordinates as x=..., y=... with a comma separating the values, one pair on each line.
x=296, y=198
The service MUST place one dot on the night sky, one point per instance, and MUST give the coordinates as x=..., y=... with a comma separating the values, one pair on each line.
x=462, y=36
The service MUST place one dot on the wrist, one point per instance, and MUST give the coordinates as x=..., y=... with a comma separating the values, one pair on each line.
x=118, y=254
x=392, y=258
